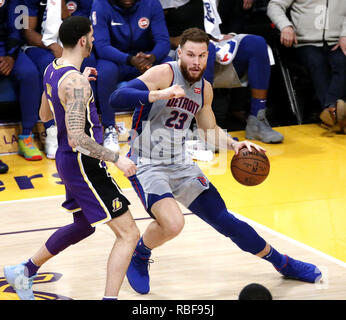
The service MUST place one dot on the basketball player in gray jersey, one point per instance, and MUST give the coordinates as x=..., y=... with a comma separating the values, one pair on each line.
x=166, y=98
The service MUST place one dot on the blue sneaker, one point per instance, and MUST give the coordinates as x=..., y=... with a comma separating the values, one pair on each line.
x=22, y=284
x=137, y=272
x=298, y=270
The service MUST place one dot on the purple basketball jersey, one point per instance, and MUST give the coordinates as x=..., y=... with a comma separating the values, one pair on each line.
x=53, y=76
x=89, y=186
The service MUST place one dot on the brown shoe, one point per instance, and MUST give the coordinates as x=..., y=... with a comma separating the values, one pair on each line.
x=328, y=116
x=341, y=115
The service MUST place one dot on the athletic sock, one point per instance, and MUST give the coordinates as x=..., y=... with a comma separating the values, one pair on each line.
x=142, y=248
x=276, y=258
x=257, y=105
x=26, y=132
x=32, y=268
x=109, y=298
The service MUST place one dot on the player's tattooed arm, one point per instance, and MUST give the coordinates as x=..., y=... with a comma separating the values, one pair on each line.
x=76, y=93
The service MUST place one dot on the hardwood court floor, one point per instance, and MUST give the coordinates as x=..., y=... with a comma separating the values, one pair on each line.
x=299, y=209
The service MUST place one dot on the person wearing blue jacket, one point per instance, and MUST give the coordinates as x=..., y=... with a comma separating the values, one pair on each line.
x=15, y=64
x=130, y=37
x=43, y=53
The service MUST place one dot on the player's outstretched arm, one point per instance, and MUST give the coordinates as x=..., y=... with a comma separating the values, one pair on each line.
x=76, y=92
x=153, y=85
x=211, y=132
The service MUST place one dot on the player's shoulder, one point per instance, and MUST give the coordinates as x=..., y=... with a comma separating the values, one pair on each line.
x=207, y=84
x=164, y=69
x=208, y=88
x=74, y=80
x=158, y=77
x=208, y=92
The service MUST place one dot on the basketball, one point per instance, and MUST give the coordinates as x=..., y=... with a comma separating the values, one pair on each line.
x=250, y=168
x=255, y=291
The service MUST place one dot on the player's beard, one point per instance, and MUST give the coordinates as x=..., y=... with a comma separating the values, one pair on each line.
x=189, y=77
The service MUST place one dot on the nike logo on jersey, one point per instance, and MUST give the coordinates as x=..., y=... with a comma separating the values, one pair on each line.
x=116, y=23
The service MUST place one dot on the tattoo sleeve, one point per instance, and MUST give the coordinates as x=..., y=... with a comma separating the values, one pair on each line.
x=77, y=92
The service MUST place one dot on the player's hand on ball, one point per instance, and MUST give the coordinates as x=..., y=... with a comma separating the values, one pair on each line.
x=246, y=144
x=127, y=166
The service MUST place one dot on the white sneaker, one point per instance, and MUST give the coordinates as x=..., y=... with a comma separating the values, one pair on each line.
x=110, y=139
x=51, y=144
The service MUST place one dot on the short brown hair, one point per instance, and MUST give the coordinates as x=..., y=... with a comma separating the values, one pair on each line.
x=194, y=35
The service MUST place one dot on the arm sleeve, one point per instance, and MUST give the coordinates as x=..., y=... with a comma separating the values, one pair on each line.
x=160, y=32
x=102, y=41
x=276, y=12
x=134, y=94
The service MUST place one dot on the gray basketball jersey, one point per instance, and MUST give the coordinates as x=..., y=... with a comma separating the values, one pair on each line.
x=159, y=129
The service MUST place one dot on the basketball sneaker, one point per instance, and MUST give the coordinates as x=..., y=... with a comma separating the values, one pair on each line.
x=51, y=144
x=110, y=139
x=27, y=149
x=138, y=272
x=258, y=128
x=3, y=167
x=299, y=270
x=22, y=284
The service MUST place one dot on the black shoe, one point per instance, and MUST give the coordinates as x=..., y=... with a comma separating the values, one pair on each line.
x=3, y=167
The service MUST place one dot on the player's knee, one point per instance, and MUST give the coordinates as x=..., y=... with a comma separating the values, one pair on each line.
x=174, y=228
x=256, y=45
x=85, y=232
x=134, y=235
x=258, y=41
x=128, y=231
x=130, y=236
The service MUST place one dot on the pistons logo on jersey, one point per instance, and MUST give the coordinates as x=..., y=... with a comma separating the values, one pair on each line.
x=71, y=6
x=197, y=90
x=203, y=181
x=2, y=3
x=143, y=23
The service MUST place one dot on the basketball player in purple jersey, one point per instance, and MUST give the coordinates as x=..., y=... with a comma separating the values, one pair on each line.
x=167, y=97
x=91, y=193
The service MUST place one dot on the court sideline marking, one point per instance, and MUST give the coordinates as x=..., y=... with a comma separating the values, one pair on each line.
x=239, y=216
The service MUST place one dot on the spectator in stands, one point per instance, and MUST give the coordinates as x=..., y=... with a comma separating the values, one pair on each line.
x=3, y=167
x=249, y=54
x=43, y=45
x=15, y=64
x=130, y=37
x=246, y=16
x=317, y=29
